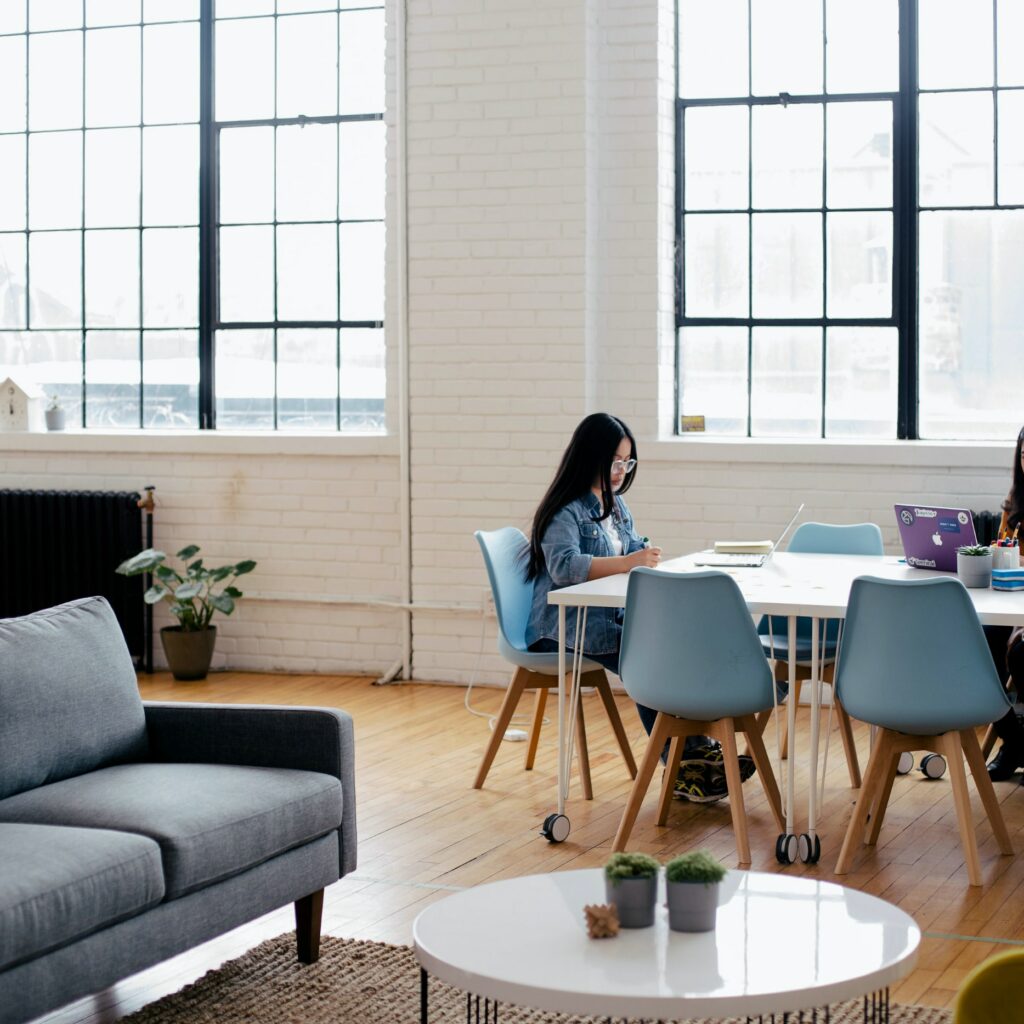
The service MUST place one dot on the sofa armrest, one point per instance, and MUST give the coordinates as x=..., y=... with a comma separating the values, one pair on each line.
x=262, y=736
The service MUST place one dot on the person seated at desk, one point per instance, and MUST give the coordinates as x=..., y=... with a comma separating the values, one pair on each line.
x=1006, y=644
x=583, y=530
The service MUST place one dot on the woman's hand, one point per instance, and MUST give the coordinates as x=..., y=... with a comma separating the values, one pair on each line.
x=647, y=557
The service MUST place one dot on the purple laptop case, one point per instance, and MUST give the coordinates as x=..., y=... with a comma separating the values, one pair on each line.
x=931, y=535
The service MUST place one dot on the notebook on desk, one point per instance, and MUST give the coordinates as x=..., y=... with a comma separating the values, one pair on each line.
x=931, y=535
x=750, y=559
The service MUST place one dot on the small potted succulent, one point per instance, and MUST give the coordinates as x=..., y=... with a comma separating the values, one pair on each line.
x=974, y=565
x=55, y=419
x=691, y=885
x=631, y=883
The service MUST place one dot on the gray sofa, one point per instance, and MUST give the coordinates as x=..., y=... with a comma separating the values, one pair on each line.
x=130, y=832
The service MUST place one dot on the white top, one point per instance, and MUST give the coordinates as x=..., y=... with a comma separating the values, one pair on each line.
x=612, y=534
x=801, y=584
x=781, y=943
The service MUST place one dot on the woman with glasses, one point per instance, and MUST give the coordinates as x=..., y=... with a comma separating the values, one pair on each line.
x=583, y=530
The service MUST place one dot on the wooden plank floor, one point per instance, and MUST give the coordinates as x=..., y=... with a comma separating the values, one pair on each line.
x=423, y=831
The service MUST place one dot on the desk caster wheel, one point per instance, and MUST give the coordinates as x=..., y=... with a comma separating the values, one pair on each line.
x=933, y=766
x=555, y=828
x=809, y=849
x=906, y=763
x=786, y=848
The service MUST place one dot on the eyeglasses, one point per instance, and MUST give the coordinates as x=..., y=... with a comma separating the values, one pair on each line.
x=620, y=466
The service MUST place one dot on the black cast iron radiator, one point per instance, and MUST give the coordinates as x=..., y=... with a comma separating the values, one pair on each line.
x=59, y=545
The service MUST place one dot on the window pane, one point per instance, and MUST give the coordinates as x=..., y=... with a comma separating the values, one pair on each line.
x=49, y=14
x=112, y=12
x=954, y=44
x=245, y=69
x=170, y=10
x=246, y=175
x=12, y=84
x=859, y=171
x=307, y=172
x=55, y=58
x=112, y=177
x=112, y=278
x=12, y=280
x=787, y=154
x=245, y=380
x=361, y=170
x=307, y=380
x=860, y=265
x=787, y=40
x=170, y=277
x=293, y=6
x=715, y=278
x=170, y=84
x=55, y=273
x=713, y=48
x=112, y=87
x=361, y=62
x=52, y=360
x=55, y=180
x=112, y=374
x=785, y=394
x=1011, y=147
x=860, y=381
x=12, y=17
x=246, y=274
x=243, y=8
x=307, y=65
x=1010, y=41
x=855, y=31
x=12, y=182
x=170, y=184
x=362, y=379
x=713, y=377
x=955, y=143
x=971, y=323
x=170, y=380
x=307, y=272
x=361, y=247
x=787, y=265
x=716, y=158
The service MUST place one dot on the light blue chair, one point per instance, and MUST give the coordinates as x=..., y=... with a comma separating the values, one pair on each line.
x=690, y=652
x=914, y=663
x=830, y=539
x=504, y=555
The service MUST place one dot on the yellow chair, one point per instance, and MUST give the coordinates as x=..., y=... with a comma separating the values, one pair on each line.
x=992, y=991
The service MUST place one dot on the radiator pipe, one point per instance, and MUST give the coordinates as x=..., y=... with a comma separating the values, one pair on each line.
x=147, y=504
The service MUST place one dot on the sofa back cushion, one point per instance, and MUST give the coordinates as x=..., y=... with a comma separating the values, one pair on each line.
x=69, y=701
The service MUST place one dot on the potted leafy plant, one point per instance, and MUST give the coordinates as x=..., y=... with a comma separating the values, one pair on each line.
x=691, y=885
x=195, y=593
x=974, y=565
x=631, y=883
x=54, y=413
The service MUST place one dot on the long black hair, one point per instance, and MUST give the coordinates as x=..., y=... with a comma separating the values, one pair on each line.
x=588, y=457
x=1014, y=504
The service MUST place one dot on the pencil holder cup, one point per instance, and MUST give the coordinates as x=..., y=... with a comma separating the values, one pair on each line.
x=1006, y=558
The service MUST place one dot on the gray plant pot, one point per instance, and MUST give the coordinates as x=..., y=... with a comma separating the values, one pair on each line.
x=634, y=900
x=189, y=652
x=692, y=906
x=975, y=571
x=55, y=419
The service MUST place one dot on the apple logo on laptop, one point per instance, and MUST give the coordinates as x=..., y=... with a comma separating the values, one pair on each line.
x=937, y=539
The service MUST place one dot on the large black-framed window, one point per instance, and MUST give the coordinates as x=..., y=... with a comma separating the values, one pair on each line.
x=192, y=211
x=848, y=209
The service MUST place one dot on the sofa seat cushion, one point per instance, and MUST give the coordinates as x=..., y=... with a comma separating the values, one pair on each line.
x=211, y=821
x=60, y=884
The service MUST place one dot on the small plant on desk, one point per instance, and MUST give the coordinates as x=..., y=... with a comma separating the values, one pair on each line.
x=692, y=881
x=631, y=883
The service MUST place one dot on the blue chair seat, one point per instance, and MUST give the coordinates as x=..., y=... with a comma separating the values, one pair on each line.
x=779, y=649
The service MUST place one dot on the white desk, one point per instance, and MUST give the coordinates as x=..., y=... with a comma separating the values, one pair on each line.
x=790, y=585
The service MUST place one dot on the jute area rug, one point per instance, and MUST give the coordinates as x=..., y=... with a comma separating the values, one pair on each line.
x=358, y=982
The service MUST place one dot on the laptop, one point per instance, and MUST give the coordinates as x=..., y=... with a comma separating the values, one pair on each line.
x=931, y=534
x=743, y=560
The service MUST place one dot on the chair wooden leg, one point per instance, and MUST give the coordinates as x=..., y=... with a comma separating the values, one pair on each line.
x=600, y=681
x=884, y=791
x=583, y=754
x=873, y=779
x=726, y=730
x=508, y=708
x=755, y=744
x=962, y=801
x=668, y=779
x=849, y=747
x=539, y=703
x=648, y=763
x=976, y=762
x=308, y=916
x=988, y=742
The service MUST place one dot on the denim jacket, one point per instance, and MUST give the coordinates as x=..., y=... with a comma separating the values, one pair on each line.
x=570, y=542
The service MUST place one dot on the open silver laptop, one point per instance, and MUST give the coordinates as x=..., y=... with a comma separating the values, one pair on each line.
x=737, y=560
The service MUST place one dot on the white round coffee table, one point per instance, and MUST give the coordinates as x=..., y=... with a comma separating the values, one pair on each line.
x=781, y=944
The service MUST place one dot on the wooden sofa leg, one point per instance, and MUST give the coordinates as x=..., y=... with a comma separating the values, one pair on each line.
x=309, y=912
